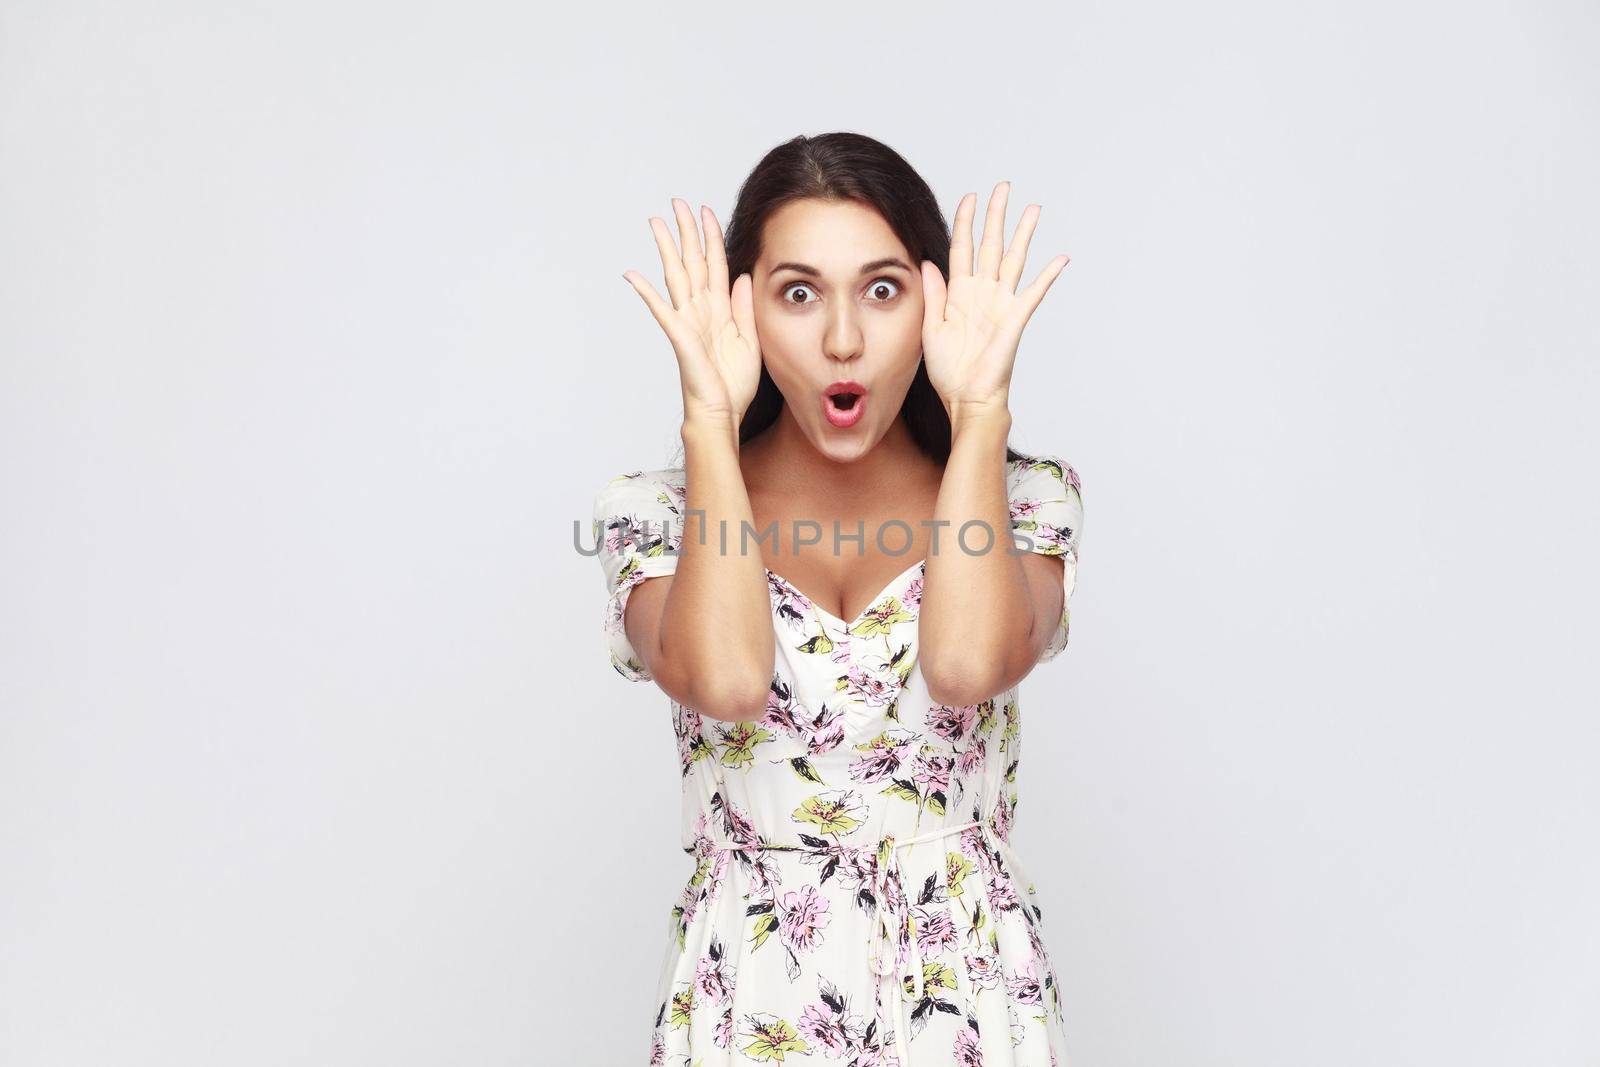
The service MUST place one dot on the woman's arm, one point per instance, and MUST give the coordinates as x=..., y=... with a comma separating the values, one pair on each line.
x=988, y=609
x=705, y=631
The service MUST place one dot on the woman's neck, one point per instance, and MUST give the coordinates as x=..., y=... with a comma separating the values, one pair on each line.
x=782, y=456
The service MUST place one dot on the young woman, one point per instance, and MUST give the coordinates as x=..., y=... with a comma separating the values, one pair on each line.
x=847, y=723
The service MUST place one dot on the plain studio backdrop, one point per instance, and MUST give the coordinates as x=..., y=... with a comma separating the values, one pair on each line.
x=315, y=347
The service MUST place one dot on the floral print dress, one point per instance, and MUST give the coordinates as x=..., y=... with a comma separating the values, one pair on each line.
x=855, y=898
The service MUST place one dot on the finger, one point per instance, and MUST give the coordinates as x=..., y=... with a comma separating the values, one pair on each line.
x=716, y=261
x=994, y=232
x=664, y=315
x=1016, y=256
x=1034, y=293
x=961, y=238
x=671, y=263
x=694, y=255
x=744, y=312
x=933, y=298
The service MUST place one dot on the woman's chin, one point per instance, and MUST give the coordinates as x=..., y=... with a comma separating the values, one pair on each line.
x=844, y=445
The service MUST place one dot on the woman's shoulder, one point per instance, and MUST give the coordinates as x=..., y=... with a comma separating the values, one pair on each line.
x=650, y=493
x=1046, y=503
x=1042, y=474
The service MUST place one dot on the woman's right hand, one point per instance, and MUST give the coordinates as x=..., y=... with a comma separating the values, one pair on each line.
x=712, y=330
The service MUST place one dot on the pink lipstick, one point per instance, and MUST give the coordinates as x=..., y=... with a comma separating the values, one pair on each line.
x=843, y=402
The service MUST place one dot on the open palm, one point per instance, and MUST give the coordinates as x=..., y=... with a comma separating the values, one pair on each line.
x=971, y=328
x=712, y=328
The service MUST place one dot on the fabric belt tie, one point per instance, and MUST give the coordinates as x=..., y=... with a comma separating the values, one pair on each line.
x=885, y=955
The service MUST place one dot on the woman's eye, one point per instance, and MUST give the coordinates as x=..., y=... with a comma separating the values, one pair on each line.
x=882, y=291
x=874, y=290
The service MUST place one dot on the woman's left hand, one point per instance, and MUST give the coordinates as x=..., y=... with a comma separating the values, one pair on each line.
x=971, y=328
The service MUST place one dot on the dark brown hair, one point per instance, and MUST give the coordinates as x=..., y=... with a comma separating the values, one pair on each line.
x=845, y=166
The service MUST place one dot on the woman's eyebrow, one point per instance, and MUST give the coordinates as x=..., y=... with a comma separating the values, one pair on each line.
x=866, y=268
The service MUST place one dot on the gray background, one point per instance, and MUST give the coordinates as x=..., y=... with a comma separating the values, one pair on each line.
x=315, y=344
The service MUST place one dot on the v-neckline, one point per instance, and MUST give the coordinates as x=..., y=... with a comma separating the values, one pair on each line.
x=850, y=624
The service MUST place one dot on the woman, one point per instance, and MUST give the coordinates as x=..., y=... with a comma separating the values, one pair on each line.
x=847, y=724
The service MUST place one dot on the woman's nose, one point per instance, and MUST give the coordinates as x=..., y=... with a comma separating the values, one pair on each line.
x=843, y=342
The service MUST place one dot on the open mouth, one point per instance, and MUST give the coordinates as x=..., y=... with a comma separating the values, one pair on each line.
x=843, y=402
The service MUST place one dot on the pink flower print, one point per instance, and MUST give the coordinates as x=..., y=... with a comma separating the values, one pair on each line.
x=723, y=1032
x=802, y=916
x=881, y=1055
x=719, y=868
x=658, y=1050
x=1036, y=942
x=686, y=725
x=1002, y=894
x=1000, y=818
x=936, y=930
x=1046, y=534
x=884, y=755
x=739, y=826
x=792, y=602
x=1024, y=986
x=933, y=772
x=984, y=969
x=856, y=866
x=971, y=758
x=690, y=903
x=913, y=595
x=826, y=732
x=966, y=1049
x=843, y=647
x=951, y=722
x=830, y=1023
x=713, y=975
x=781, y=711
x=870, y=689
x=972, y=844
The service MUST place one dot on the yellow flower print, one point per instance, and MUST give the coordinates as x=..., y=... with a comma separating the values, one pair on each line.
x=935, y=976
x=957, y=867
x=739, y=742
x=881, y=617
x=835, y=812
x=682, y=1005
x=770, y=1037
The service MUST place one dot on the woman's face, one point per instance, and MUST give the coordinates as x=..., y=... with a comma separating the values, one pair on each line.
x=838, y=299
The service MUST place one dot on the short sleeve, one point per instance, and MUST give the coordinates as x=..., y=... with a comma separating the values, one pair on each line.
x=1047, y=518
x=638, y=524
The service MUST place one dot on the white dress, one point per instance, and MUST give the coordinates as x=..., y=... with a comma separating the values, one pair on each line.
x=854, y=897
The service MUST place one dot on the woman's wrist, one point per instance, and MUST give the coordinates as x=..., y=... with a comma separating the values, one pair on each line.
x=699, y=430
x=979, y=420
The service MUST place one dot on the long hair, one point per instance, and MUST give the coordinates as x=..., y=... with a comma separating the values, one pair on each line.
x=845, y=166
